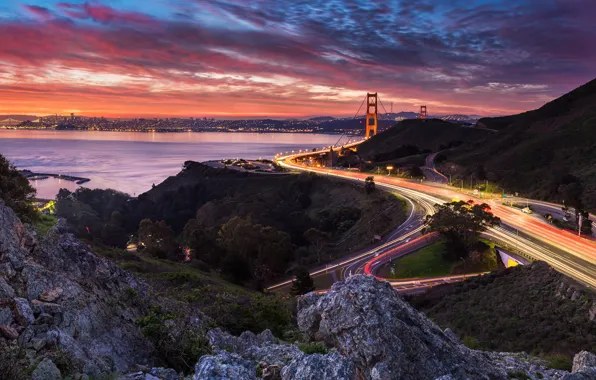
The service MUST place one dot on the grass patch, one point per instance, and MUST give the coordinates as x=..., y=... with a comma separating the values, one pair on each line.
x=558, y=361
x=313, y=348
x=43, y=225
x=425, y=262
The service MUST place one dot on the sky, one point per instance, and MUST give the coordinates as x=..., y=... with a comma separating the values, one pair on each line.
x=290, y=58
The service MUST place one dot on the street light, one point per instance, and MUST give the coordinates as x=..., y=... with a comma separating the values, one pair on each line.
x=389, y=169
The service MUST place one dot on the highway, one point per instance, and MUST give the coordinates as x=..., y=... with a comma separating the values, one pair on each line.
x=565, y=251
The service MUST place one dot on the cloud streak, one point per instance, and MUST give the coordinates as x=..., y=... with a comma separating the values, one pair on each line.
x=292, y=58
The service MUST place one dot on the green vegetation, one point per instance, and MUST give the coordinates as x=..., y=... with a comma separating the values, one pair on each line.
x=303, y=283
x=313, y=348
x=425, y=262
x=233, y=308
x=460, y=224
x=537, y=152
x=558, y=361
x=519, y=375
x=178, y=351
x=44, y=223
x=253, y=228
x=13, y=362
x=16, y=192
x=415, y=136
x=515, y=309
x=433, y=261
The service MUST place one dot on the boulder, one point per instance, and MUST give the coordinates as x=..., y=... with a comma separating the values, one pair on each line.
x=224, y=365
x=51, y=295
x=318, y=366
x=46, y=370
x=368, y=322
x=6, y=291
x=8, y=332
x=582, y=360
x=23, y=313
x=5, y=316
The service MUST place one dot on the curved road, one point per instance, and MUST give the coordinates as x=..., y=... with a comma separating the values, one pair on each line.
x=568, y=253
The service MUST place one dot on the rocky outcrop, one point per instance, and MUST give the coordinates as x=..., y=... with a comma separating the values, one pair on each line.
x=57, y=297
x=371, y=333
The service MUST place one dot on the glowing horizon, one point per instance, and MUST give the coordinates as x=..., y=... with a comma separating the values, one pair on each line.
x=289, y=59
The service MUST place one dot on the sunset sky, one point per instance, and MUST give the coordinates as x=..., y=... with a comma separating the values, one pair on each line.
x=287, y=58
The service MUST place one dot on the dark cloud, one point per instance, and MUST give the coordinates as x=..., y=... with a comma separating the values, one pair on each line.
x=423, y=50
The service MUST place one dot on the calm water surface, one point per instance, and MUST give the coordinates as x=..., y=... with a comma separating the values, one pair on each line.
x=131, y=161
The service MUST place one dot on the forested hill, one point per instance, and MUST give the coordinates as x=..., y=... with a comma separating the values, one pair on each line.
x=431, y=134
x=538, y=151
x=250, y=227
x=527, y=308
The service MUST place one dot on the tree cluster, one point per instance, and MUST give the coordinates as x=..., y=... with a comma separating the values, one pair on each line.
x=16, y=192
x=460, y=223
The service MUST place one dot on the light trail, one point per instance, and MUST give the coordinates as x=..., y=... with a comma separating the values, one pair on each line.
x=579, y=263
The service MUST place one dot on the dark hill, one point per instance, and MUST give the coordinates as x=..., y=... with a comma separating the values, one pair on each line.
x=432, y=134
x=531, y=308
x=536, y=151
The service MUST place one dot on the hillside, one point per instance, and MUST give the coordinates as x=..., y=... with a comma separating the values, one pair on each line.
x=530, y=308
x=536, y=151
x=431, y=134
x=252, y=228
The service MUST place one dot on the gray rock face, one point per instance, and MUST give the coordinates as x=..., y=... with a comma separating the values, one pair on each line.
x=224, y=366
x=368, y=322
x=582, y=360
x=317, y=366
x=86, y=314
x=263, y=347
x=46, y=370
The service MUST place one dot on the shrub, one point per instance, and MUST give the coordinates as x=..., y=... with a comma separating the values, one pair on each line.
x=177, y=350
x=558, y=361
x=313, y=348
x=471, y=342
x=520, y=375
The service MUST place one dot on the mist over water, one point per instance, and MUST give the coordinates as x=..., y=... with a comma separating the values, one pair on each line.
x=132, y=161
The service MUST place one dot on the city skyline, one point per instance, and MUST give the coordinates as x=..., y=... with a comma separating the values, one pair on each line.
x=226, y=59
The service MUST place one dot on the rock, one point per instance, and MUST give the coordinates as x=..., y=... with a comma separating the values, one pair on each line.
x=45, y=307
x=46, y=370
x=224, y=365
x=51, y=295
x=5, y=316
x=451, y=335
x=318, y=366
x=592, y=311
x=369, y=323
x=263, y=347
x=152, y=374
x=582, y=360
x=44, y=319
x=8, y=332
x=6, y=291
x=270, y=372
x=23, y=312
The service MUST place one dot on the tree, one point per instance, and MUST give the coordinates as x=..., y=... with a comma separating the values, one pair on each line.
x=318, y=240
x=303, y=283
x=16, y=192
x=369, y=185
x=158, y=239
x=572, y=194
x=416, y=172
x=114, y=235
x=460, y=223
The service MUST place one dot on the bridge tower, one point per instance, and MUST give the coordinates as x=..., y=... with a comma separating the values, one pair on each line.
x=371, y=114
x=423, y=112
